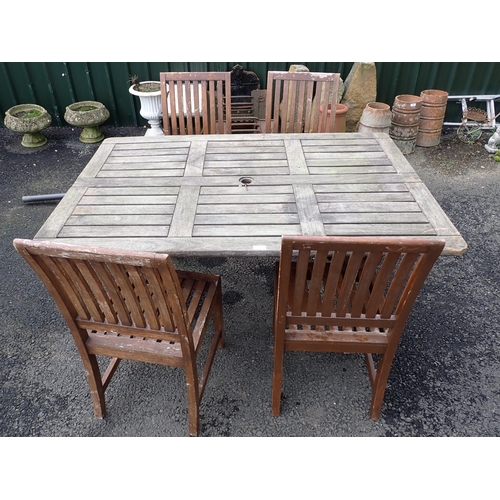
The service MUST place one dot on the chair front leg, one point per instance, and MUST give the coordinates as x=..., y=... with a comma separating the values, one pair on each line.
x=279, y=351
x=380, y=384
x=95, y=385
x=192, y=386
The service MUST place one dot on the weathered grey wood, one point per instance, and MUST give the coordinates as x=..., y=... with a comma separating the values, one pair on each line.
x=364, y=197
x=382, y=207
x=144, y=145
x=143, y=210
x=236, y=195
x=357, y=170
x=128, y=200
x=185, y=211
x=254, y=218
x=60, y=215
x=308, y=209
x=106, y=232
x=246, y=198
x=379, y=230
x=118, y=220
x=195, y=162
x=247, y=208
x=132, y=191
x=228, y=231
x=359, y=188
x=294, y=150
x=146, y=172
x=146, y=159
x=373, y=218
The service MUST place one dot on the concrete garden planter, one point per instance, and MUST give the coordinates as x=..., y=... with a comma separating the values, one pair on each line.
x=29, y=120
x=88, y=115
x=150, y=104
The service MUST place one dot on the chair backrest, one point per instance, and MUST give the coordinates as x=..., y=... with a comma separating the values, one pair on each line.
x=293, y=101
x=352, y=284
x=202, y=102
x=129, y=293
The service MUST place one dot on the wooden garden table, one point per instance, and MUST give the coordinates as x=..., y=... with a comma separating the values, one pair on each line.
x=235, y=195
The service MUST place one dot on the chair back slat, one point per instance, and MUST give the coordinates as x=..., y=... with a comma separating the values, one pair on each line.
x=160, y=300
x=148, y=316
x=294, y=99
x=369, y=282
x=101, y=292
x=62, y=283
x=196, y=103
x=99, y=303
x=112, y=295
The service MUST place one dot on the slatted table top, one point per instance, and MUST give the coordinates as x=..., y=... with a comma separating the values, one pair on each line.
x=223, y=195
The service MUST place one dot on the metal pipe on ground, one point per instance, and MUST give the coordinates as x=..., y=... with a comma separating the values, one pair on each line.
x=43, y=197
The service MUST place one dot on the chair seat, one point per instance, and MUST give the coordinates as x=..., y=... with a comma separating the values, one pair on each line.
x=200, y=288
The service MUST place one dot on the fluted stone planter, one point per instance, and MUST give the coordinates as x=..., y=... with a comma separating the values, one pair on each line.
x=29, y=120
x=88, y=115
x=150, y=104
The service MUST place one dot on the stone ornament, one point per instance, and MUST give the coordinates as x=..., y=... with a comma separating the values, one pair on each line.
x=88, y=115
x=29, y=120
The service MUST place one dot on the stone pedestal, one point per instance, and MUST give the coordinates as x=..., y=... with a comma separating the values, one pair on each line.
x=360, y=89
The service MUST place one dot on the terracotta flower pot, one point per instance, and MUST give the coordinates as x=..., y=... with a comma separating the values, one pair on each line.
x=376, y=117
x=340, y=116
x=405, y=120
x=431, y=117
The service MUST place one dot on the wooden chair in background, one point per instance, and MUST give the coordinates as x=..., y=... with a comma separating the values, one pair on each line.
x=293, y=101
x=202, y=102
x=347, y=295
x=131, y=305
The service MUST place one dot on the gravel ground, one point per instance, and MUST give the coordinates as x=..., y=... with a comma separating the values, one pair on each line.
x=445, y=380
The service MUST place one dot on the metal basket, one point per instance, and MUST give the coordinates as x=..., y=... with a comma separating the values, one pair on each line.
x=475, y=114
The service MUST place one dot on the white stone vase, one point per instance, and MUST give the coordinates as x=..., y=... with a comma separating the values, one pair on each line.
x=150, y=108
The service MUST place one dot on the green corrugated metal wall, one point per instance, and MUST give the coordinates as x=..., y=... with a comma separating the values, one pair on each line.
x=54, y=85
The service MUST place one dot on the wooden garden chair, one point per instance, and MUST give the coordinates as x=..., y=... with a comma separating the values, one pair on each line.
x=131, y=305
x=293, y=101
x=202, y=102
x=347, y=294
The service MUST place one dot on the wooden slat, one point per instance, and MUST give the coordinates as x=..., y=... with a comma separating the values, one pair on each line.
x=109, y=210
x=379, y=230
x=185, y=211
x=102, y=231
x=248, y=208
x=117, y=220
x=245, y=230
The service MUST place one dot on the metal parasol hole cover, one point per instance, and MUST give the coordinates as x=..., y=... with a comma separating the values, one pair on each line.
x=245, y=181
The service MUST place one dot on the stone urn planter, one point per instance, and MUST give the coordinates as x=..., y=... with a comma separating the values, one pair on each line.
x=88, y=115
x=150, y=96
x=29, y=120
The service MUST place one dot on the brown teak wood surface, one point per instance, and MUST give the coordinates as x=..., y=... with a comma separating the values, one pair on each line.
x=201, y=101
x=238, y=194
x=295, y=101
